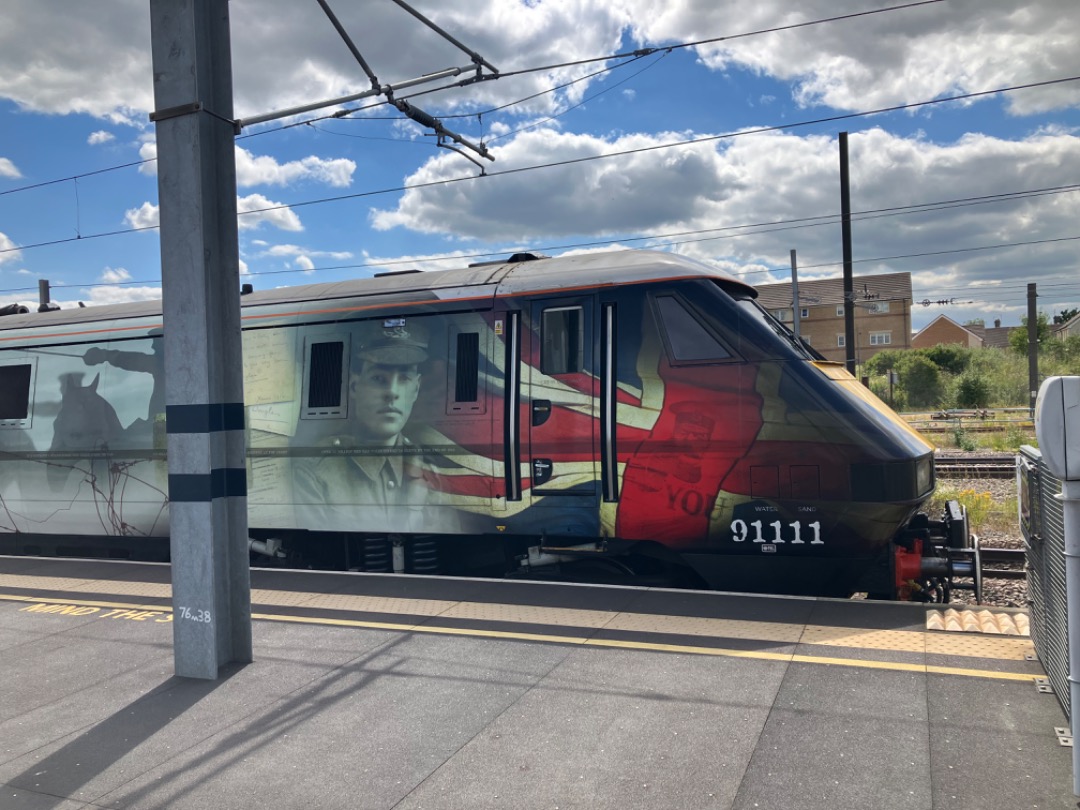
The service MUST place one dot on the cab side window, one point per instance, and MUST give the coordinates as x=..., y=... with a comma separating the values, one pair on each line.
x=687, y=338
x=562, y=340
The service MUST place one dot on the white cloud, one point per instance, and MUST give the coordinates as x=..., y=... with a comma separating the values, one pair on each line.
x=285, y=56
x=263, y=170
x=8, y=169
x=706, y=190
x=297, y=250
x=304, y=263
x=279, y=215
x=121, y=295
x=9, y=251
x=100, y=137
x=641, y=191
x=145, y=216
x=885, y=59
x=148, y=152
x=251, y=210
x=257, y=170
x=116, y=275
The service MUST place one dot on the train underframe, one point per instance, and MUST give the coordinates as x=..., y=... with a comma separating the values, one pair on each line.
x=926, y=562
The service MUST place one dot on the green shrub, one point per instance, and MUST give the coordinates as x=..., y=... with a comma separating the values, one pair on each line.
x=964, y=440
x=972, y=391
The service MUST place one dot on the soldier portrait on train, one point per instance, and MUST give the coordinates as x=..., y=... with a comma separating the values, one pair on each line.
x=366, y=474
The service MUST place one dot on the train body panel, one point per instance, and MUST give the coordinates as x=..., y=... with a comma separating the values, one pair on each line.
x=620, y=403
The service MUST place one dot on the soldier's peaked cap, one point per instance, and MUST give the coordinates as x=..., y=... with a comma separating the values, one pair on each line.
x=393, y=342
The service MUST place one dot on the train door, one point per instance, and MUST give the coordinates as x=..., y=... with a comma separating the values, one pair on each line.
x=560, y=412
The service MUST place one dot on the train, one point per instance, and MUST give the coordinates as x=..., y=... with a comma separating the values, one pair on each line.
x=621, y=416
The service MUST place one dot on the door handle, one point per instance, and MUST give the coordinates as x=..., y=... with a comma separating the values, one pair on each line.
x=541, y=410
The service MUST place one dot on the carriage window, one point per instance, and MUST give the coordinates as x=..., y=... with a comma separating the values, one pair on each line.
x=468, y=367
x=688, y=339
x=15, y=392
x=324, y=381
x=463, y=391
x=561, y=347
x=324, y=378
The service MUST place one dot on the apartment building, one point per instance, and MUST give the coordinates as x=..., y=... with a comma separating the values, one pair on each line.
x=882, y=313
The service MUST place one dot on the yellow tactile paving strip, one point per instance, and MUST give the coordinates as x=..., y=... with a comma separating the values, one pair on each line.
x=978, y=621
x=975, y=643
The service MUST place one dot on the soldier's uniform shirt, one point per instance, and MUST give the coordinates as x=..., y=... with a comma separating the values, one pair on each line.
x=388, y=490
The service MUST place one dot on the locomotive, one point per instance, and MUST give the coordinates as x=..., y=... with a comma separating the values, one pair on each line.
x=617, y=416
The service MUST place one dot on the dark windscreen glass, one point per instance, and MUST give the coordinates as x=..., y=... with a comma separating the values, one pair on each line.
x=689, y=340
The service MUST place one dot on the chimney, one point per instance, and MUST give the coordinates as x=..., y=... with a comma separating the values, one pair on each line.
x=997, y=323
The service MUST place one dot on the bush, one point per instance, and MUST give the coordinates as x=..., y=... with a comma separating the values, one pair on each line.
x=920, y=379
x=949, y=357
x=964, y=440
x=972, y=391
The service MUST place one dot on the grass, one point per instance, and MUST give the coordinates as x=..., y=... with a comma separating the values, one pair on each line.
x=984, y=512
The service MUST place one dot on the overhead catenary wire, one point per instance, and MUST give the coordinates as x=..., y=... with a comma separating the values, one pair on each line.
x=629, y=56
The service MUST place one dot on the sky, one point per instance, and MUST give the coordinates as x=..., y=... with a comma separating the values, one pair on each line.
x=609, y=128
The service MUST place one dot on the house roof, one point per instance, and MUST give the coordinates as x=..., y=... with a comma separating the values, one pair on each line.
x=825, y=291
x=969, y=330
x=997, y=337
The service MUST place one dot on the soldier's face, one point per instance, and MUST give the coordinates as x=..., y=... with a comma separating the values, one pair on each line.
x=383, y=398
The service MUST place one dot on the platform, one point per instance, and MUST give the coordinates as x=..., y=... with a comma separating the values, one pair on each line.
x=380, y=692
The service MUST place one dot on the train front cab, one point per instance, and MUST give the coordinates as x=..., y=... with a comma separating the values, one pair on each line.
x=708, y=437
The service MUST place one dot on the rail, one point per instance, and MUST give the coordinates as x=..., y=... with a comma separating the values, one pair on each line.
x=986, y=466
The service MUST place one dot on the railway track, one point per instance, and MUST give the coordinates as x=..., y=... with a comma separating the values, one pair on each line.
x=987, y=466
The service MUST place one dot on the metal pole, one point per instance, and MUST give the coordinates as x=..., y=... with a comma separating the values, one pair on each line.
x=1070, y=507
x=795, y=294
x=845, y=233
x=1033, y=345
x=201, y=309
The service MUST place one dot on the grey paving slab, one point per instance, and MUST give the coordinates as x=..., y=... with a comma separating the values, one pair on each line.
x=59, y=665
x=352, y=717
x=854, y=692
x=11, y=638
x=362, y=737
x=291, y=657
x=615, y=729
x=833, y=742
x=820, y=760
x=994, y=748
x=15, y=799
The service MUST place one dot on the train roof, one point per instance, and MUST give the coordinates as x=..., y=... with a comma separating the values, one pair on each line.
x=522, y=274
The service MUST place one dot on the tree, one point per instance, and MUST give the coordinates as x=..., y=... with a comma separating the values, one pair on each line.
x=1066, y=315
x=883, y=362
x=920, y=380
x=972, y=391
x=975, y=322
x=1018, y=338
x=949, y=357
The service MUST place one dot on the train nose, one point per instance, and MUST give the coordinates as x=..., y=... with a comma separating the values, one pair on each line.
x=893, y=481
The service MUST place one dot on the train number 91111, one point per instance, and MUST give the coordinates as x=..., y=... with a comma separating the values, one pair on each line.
x=776, y=532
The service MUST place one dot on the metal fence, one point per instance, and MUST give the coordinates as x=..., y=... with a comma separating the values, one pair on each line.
x=1043, y=526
